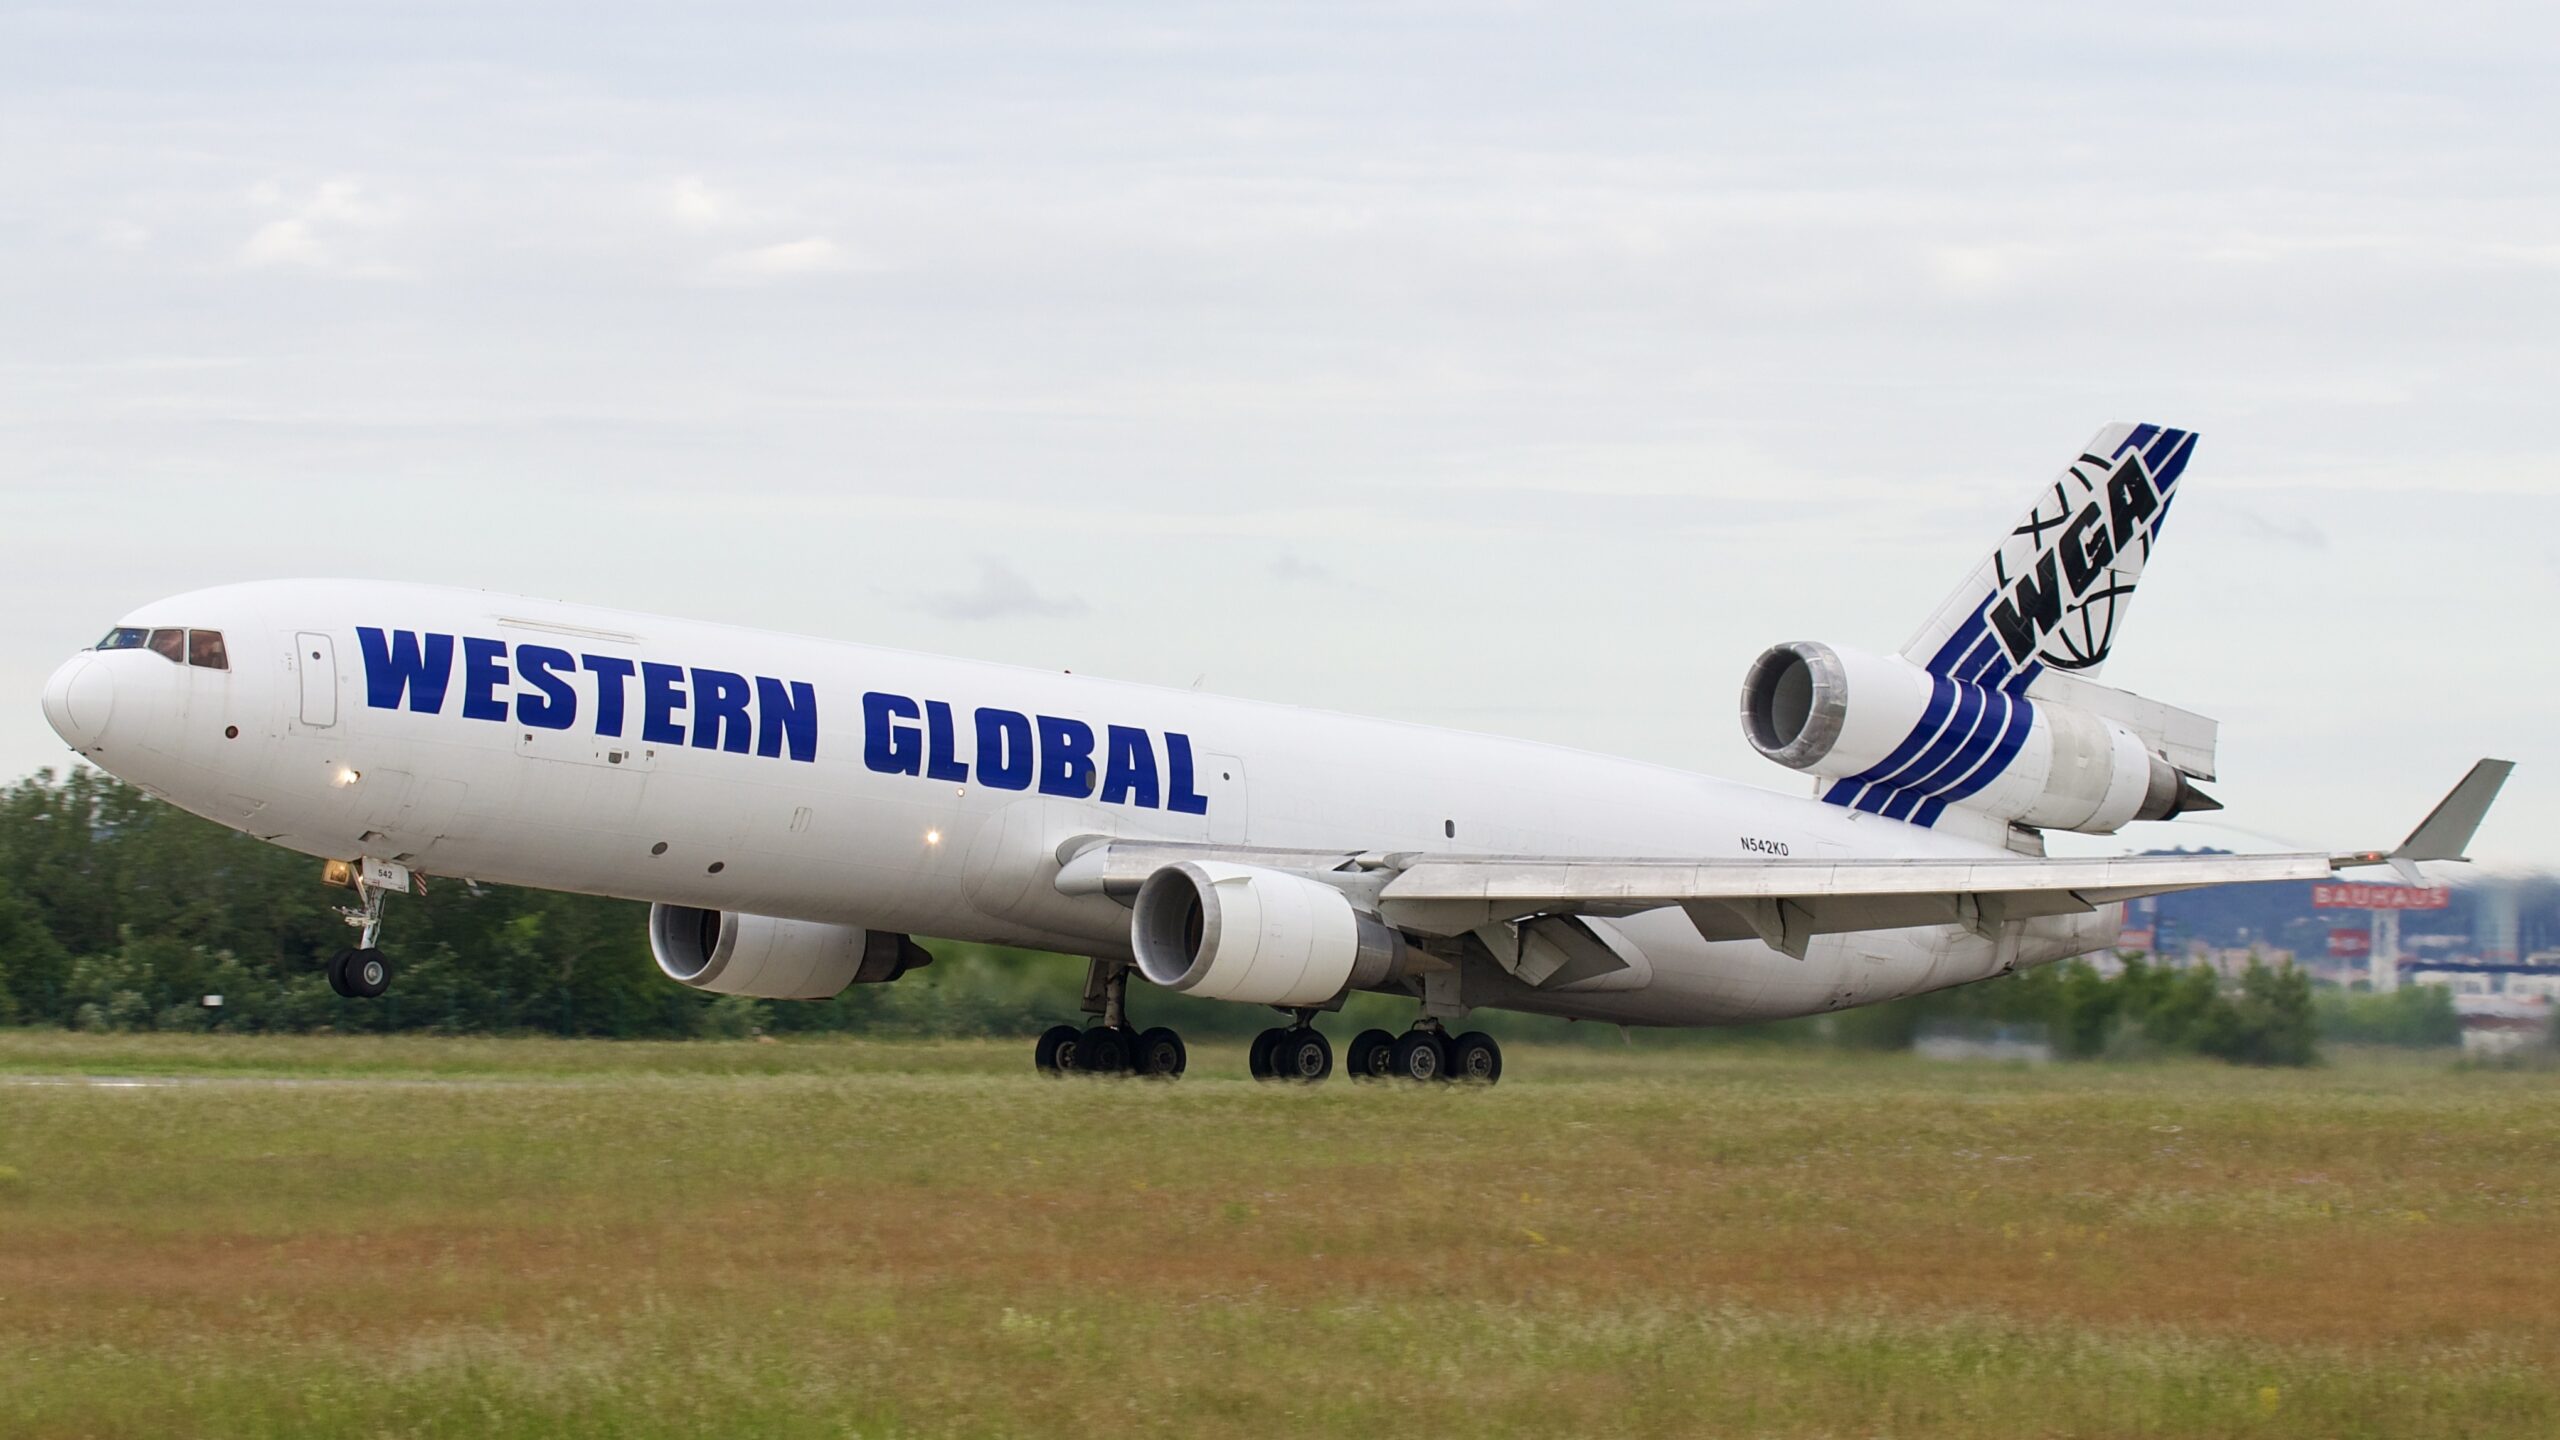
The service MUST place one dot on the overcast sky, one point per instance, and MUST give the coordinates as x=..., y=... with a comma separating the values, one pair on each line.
x=1520, y=368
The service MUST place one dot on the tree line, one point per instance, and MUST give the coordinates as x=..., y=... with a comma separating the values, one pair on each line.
x=120, y=912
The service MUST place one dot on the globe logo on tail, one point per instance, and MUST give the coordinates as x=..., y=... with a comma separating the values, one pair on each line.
x=2063, y=577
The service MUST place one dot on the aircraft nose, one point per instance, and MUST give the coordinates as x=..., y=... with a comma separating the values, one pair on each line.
x=78, y=701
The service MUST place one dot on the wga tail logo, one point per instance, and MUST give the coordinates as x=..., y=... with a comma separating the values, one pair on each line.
x=2063, y=576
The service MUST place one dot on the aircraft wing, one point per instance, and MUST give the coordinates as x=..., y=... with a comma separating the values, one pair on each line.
x=1781, y=902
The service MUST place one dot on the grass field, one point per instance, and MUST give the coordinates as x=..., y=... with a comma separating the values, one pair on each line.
x=474, y=1238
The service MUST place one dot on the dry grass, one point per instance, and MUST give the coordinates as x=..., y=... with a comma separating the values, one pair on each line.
x=850, y=1239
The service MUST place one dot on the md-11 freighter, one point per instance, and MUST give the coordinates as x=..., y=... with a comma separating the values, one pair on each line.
x=796, y=809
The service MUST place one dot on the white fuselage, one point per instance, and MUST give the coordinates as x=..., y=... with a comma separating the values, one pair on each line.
x=812, y=779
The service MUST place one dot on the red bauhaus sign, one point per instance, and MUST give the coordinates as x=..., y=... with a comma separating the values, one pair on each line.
x=2380, y=897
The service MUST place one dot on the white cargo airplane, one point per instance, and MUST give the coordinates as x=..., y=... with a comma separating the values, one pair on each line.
x=795, y=808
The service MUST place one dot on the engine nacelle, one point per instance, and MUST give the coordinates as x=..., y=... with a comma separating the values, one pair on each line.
x=770, y=959
x=1237, y=932
x=1907, y=743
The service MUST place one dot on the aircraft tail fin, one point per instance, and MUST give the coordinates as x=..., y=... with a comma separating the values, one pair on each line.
x=2052, y=593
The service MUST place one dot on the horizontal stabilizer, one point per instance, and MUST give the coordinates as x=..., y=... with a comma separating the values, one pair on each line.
x=2446, y=832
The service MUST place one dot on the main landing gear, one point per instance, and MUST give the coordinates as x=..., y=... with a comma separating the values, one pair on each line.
x=1109, y=1046
x=1426, y=1052
x=1297, y=1053
x=361, y=973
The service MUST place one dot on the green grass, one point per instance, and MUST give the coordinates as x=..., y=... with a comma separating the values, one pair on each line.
x=844, y=1238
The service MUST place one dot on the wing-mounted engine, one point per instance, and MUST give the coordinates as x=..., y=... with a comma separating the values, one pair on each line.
x=1896, y=740
x=1240, y=932
x=732, y=954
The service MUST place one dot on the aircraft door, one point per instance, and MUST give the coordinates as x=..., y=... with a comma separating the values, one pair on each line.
x=315, y=658
x=1221, y=782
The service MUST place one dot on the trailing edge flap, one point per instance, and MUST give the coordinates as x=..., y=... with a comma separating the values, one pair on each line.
x=1555, y=952
x=1784, y=903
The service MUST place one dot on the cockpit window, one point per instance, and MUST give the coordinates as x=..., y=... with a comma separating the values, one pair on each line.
x=204, y=648
x=171, y=643
x=125, y=637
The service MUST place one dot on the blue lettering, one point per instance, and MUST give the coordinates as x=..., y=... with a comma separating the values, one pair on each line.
x=789, y=713
x=661, y=696
x=613, y=678
x=1129, y=768
x=1004, y=749
x=940, y=763
x=484, y=669
x=720, y=711
x=729, y=712
x=399, y=665
x=1186, y=797
x=1066, y=757
x=557, y=706
x=888, y=747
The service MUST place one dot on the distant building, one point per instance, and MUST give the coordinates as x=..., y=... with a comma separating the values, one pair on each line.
x=2231, y=962
x=1956, y=1040
x=2500, y=1024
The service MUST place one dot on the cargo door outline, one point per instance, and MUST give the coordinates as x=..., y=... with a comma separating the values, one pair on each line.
x=1220, y=781
x=315, y=659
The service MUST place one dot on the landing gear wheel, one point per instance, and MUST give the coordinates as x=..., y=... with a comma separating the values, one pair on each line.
x=1258, y=1059
x=1056, y=1052
x=1420, y=1055
x=1369, y=1055
x=1103, y=1051
x=1302, y=1056
x=1474, y=1059
x=337, y=971
x=1161, y=1055
x=367, y=974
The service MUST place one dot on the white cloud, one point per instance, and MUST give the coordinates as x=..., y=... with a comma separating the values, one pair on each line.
x=285, y=242
x=1000, y=594
x=330, y=229
x=698, y=206
x=1499, y=315
x=809, y=255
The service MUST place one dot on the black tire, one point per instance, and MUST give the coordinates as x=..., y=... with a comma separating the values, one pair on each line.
x=1258, y=1059
x=337, y=971
x=1161, y=1055
x=368, y=974
x=1474, y=1059
x=1103, y=1051
x=1419, y=1055
x=1302, y=1056
x=1369, y=1056
x=1056, y=1052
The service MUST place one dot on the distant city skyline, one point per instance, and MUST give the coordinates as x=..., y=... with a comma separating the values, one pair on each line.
x=1517, y=369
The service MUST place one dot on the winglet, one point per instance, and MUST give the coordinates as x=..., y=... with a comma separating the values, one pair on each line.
x=2447, y=830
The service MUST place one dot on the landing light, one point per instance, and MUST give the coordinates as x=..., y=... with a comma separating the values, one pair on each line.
x=345, y=776
x=933, y=837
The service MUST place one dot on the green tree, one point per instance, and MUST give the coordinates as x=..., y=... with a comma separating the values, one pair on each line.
x=2272, y=1022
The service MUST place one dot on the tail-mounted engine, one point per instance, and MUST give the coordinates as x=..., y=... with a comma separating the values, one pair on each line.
x=1237, y=932
x=1896, y=740
x=733, y=954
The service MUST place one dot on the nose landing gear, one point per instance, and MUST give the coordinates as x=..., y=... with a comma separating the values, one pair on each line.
x=361, y=972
